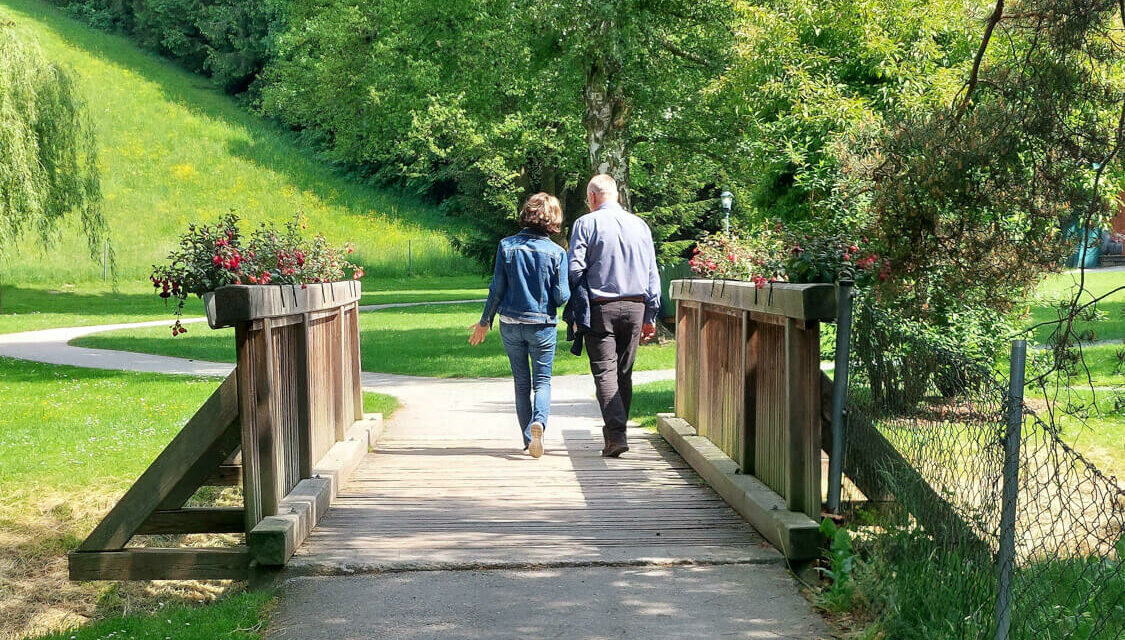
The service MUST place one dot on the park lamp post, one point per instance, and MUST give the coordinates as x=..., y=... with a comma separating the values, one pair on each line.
x=726, y=198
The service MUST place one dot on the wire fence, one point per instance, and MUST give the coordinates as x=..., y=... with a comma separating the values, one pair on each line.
x=996, y=522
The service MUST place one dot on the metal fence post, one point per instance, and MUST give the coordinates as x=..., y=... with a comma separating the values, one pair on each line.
x=845, y=291
x=1006, y=556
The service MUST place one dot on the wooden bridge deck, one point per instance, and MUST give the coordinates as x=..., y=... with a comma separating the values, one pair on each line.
x=433, y=496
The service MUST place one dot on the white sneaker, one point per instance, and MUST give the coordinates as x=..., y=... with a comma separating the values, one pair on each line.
x=535, y=448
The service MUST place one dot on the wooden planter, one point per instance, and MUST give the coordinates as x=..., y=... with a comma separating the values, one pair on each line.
x=286, y=425
x=748, y=379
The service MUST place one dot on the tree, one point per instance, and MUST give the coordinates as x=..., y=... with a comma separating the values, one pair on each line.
x=48, y=161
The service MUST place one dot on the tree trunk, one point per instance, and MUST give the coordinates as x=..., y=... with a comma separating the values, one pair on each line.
x=607, y=114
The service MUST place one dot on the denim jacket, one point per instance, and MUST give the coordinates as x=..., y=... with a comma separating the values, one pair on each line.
x=529, y=282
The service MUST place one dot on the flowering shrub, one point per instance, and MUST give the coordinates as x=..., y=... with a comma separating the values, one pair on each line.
x=213, y=256
x=731, y=257
x=777, y=254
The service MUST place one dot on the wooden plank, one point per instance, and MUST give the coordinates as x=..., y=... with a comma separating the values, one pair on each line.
x=195, y=520
x=251, y=476
x=795, y=534
x=231, y=305
x=205, y=467
x=226, y=475
x=161, y=564
x=805, y=301
x=181, y=455
x=750, y=359
x=342, y=409
x=276, y=538
x=304, y=401
x=802, y=428
x=354, y=358
x=265, y=424
x=687, y=361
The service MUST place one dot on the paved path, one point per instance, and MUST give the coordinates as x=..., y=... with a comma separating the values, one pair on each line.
x=448, y=530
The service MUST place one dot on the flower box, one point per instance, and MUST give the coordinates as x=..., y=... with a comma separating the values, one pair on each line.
x=227, y=306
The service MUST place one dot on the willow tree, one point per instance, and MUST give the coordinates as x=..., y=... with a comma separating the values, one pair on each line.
x=48, y=163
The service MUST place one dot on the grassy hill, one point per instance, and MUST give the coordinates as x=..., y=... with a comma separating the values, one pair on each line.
x=172, y=149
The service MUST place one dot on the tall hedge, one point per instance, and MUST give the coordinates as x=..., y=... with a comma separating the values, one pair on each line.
x=48, y=161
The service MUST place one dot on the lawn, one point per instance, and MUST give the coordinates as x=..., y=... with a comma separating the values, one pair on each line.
x=1093, y=422
x=426, y=341
x=27, y=307
x=173, y=150
x=71, y=441
x=1110, y=324
x=652, y=398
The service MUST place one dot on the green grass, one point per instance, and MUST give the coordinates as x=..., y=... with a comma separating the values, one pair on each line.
x=173, y=150
x=71, y=441
x=238, y=617
x=71, y=428
x=67, y=428
x=906, y=587
x=652, y=398
x=424, y=341
x=1059, y=288
x=1103, y=366
x=1093, y=422
x=27, y=307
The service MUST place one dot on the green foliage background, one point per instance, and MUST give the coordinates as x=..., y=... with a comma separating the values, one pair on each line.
x=476, y=104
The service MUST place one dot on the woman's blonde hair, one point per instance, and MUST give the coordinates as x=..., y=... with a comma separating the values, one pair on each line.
x=542, y=212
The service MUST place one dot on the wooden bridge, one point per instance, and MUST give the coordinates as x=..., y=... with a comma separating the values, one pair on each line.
x=444, y=485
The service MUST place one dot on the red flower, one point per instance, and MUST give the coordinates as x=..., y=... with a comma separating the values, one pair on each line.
x=253, y=279
x=732, y=257
x=218, y=259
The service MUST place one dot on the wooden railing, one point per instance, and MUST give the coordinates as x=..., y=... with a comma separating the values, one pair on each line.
x=748, y=378
x=284, y=425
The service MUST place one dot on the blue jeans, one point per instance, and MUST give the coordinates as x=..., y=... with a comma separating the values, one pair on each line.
x=534, y=344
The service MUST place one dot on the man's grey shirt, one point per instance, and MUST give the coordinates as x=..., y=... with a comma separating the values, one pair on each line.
x=614, y=249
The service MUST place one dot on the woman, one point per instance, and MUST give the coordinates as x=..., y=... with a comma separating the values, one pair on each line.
x=529, y=284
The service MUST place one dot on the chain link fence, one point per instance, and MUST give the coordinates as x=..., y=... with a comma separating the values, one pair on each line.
x=995, y=526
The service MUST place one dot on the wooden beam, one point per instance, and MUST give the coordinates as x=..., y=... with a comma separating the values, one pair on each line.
x=795, y=534
x=161, y=564
x=205, y=467
x=195, y=520
x=226, y=475
x=231, y=305
x=165, y=473
x=801, y=301
x=275, y=539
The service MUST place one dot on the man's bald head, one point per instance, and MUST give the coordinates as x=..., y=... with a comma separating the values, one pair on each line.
x=602, y=189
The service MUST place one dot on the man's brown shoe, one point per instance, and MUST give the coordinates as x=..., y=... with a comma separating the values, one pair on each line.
x=614, y=449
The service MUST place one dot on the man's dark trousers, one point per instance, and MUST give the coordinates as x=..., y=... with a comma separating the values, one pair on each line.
x=615, y=333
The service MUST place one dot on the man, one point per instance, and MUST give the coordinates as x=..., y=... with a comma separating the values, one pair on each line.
x=613, y=250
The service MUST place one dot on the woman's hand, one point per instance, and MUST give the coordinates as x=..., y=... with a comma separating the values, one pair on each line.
x=479, y=332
